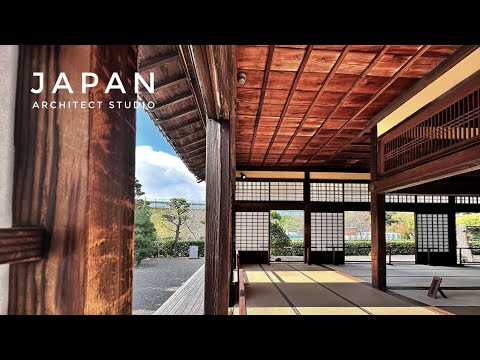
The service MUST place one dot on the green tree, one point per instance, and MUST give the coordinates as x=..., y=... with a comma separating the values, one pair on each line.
x=402, y=223
x=145, y=235
x=177, y=214
x=138, y=194
x=279, y=239
x=469, y=219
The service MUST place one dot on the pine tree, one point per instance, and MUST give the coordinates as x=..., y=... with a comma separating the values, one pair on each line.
x=145, y=233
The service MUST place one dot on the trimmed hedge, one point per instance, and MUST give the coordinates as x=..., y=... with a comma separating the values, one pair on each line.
x=353, y=247
x=363, y=247
x=295, y=250
x=165, y=248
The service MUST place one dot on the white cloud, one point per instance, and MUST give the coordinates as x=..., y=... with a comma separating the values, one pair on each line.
x=165, y=176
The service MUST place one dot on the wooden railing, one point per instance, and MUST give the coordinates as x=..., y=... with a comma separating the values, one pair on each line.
x=451, y=123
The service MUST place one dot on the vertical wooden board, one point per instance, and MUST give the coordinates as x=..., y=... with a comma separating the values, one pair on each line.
x=50, y=177
x=111, y=178
x=212, y=206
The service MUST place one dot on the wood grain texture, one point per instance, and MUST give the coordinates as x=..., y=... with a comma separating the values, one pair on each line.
x=218, y=218
x=379, y=243
x=66, y=182
x=367, y=80
x=18, y=245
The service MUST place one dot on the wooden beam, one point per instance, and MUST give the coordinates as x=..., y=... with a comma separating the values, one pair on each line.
x=379, y=244
x=215, y=69
x=156, y=62
x=178, y=115
x=173, y=101
x=459, y=162
x=22, y=244
x=166, y=85
x=375, y=96
x=74, y=173
x=316, y=168
x=447, y=186
x=441, y=69
x=306, y=56
x=266, y=74
x=183, y=126
x=182, y=147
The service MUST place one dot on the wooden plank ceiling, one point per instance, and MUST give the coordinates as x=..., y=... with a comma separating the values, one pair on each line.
x=177, y=112
x=308, y=106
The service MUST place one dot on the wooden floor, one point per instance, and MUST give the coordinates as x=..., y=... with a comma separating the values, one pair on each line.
x=299, y=289
x=188, y=299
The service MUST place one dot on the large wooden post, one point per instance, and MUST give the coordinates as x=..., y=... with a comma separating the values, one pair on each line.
x=218, y=240
x=307, y=235
x=379, y=263
x=452, y=233
x=74, y=176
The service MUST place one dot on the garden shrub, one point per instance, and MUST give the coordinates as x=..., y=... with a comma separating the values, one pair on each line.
x=363, y=247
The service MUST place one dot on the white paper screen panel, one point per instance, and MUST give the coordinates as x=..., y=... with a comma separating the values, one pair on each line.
x=252, y=231
x=467, y=200
x=400, y=198
x=252, y=190
x=326, y=192
x=356, y=192
x=327, y=231
x=432, y=199
x=286, y=191
x=432, y=231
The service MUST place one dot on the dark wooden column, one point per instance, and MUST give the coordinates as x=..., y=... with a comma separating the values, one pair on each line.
x=218, y=237
x=452, y=232
x=74, y=176
x=307, y=236
x=379, y=244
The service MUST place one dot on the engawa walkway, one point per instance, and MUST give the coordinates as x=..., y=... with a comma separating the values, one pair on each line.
x=188, y=299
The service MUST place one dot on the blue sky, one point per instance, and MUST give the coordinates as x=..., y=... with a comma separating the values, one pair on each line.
x=158, y=168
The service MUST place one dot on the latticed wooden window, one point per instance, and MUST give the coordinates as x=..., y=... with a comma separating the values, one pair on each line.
x=327, y=231
x=252, y=231
x=432, y=231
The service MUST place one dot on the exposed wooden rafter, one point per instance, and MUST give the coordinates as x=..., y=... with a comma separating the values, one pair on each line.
x=306, y=56
x=342, y=100
x=397, y=74
x=268, y=65
x=315, y=100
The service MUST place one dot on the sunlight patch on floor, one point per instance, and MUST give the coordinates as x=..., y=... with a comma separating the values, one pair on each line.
x=330, y=311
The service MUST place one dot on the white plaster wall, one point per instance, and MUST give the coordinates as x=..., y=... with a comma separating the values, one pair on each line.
x=8, y=80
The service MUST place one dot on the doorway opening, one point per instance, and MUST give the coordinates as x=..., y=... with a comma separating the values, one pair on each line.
x=400, y=236
x=468, y=238
x=287, y=235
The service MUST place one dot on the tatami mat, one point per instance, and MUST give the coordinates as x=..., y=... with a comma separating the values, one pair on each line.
x=317, y=290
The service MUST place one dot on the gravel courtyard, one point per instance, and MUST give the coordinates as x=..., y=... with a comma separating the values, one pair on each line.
x=157, y=279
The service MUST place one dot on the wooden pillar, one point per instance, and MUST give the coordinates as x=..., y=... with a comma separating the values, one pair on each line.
x=307, y=236
x=74, y=176
x=452, y=232
x=220, y=180
x=377, y=204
